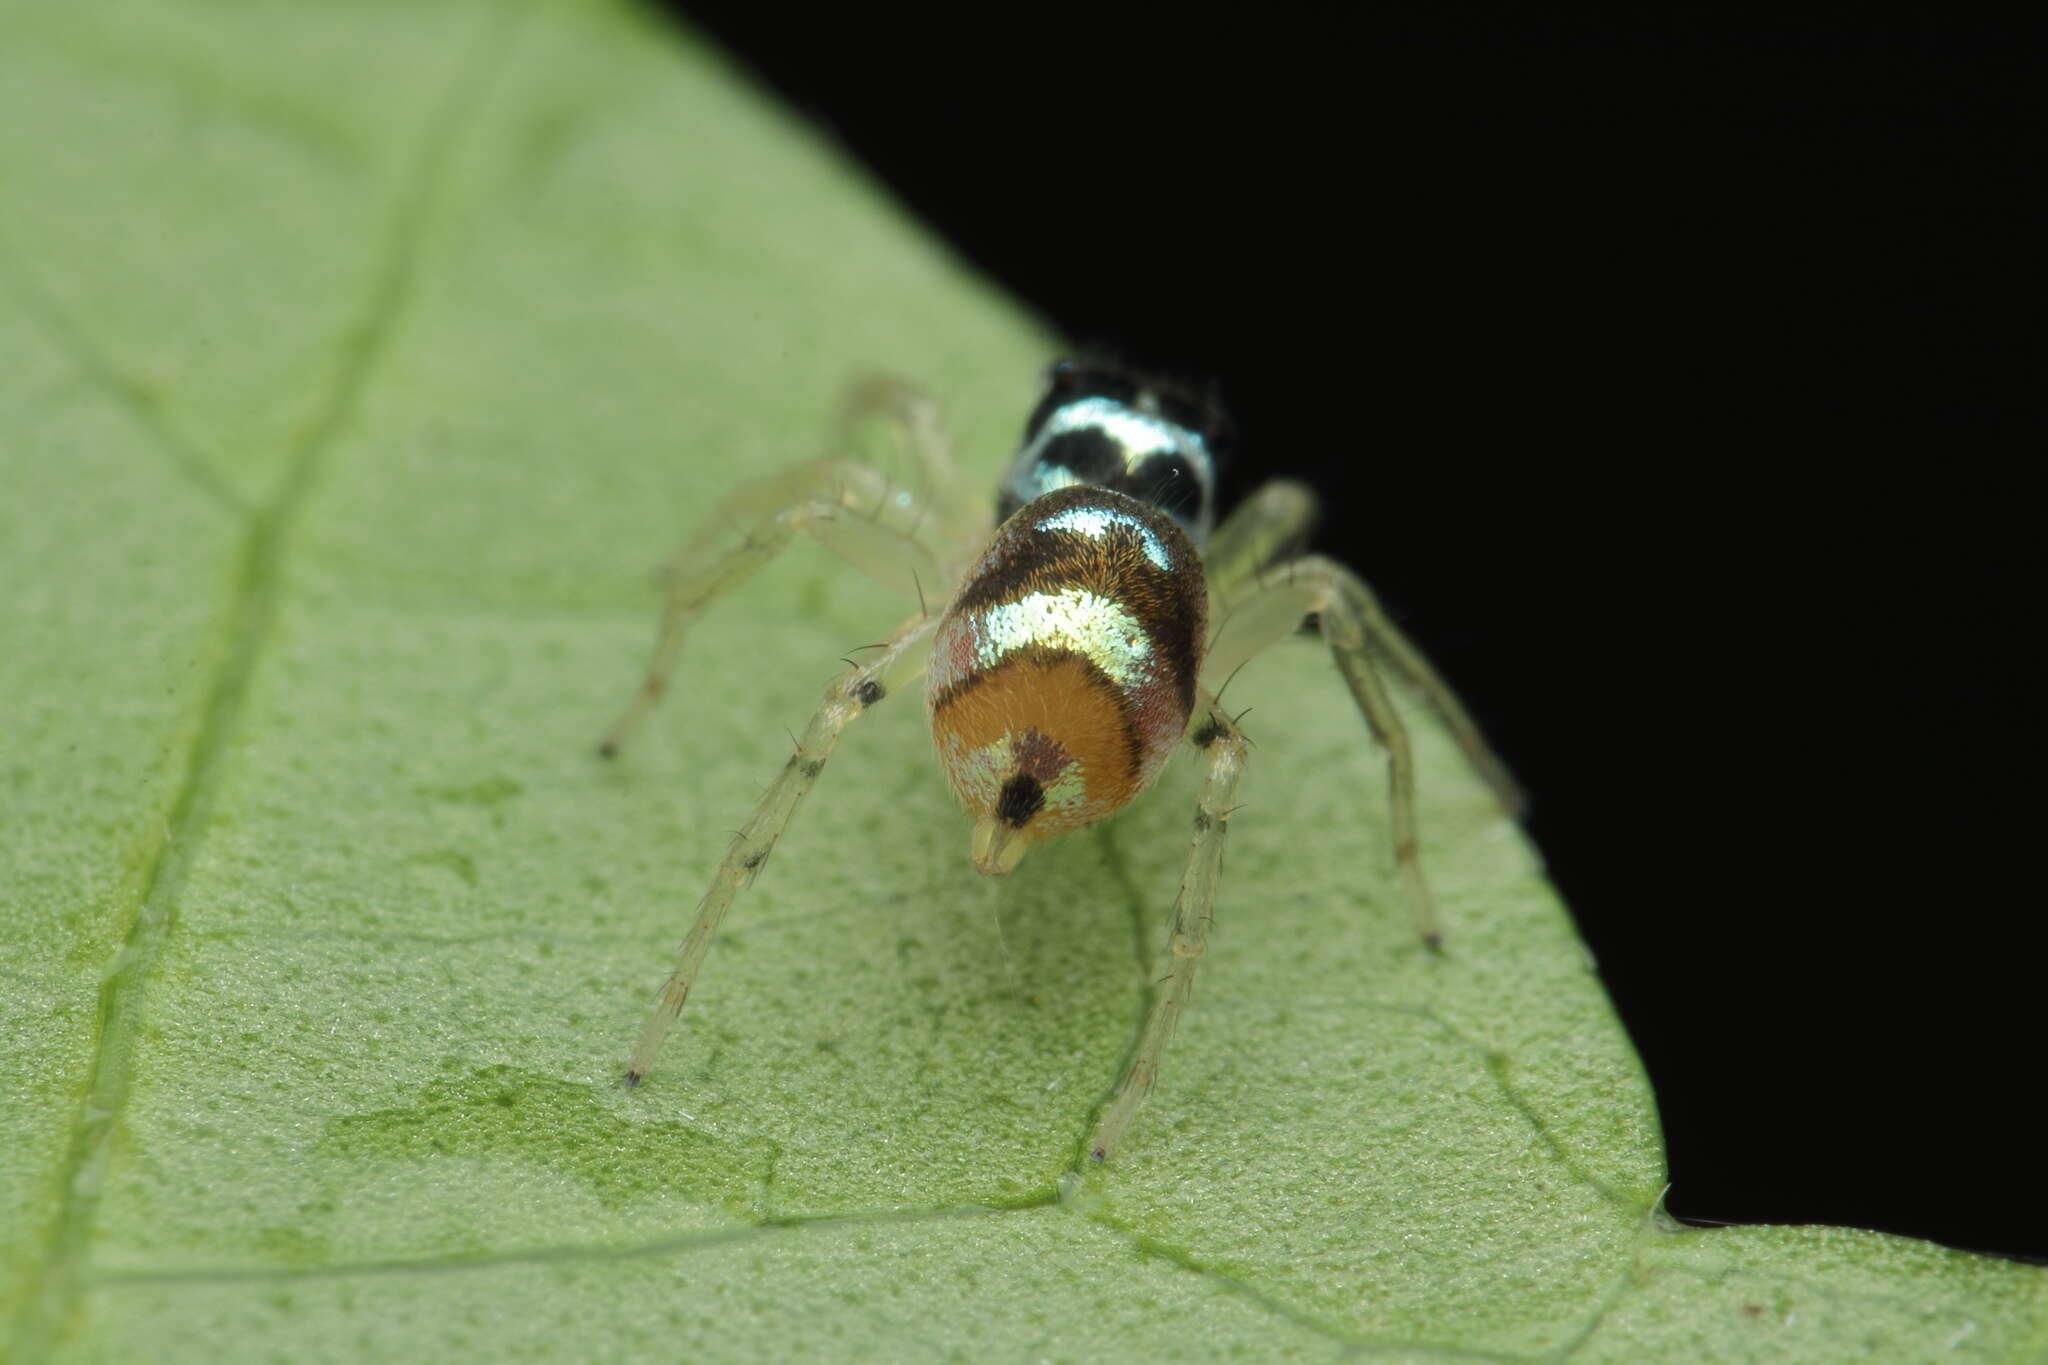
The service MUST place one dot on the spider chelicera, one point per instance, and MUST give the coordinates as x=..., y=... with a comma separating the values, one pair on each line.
x=1074, y=649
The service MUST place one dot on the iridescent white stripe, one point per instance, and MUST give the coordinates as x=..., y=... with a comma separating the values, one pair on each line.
x=1140, y=434
x=1096, y=628
x=1095, y=523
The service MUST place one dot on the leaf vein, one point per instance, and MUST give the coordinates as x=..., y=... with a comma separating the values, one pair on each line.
x=57, y=1280
x=142, y=402
x=1152, y=1247
x=1495, y=1061
x=1569, y=1347
x=573, y=1252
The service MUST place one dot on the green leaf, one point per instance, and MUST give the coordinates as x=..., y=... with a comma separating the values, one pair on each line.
x=357, y=362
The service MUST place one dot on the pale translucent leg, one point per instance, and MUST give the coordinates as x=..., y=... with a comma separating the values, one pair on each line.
x=1356, y=630
x=1273, y=522
x=964, y=512
x=848, y=508
x=1411, y=664
x=1225, y=749
x=1268, y=526
x=903, y=657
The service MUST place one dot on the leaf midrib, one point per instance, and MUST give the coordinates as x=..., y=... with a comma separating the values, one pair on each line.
x=248, y=623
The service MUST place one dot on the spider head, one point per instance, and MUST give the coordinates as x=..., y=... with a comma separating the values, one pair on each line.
x=1100, y=424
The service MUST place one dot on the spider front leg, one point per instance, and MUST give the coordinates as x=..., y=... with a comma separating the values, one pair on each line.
x=846, y=507
x=850, y=694
x=1225, y=747
x=1355, y=629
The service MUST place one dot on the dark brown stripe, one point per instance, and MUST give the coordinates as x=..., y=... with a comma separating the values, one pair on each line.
x=1170, y=605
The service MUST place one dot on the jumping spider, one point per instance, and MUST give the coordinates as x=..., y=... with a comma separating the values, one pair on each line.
x=1074, y=650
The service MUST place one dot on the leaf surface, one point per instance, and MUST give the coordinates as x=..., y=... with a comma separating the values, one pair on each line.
x=358, y=362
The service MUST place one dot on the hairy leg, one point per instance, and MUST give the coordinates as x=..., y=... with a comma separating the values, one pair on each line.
x=962, y=512
x=1359, y=636
x=852, y=692
x=1225, y=748
x=848, y=508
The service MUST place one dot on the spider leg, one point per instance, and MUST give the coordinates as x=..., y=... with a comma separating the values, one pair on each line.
x=1386, y=639
x=1270, y=524
x=846, y=507
x=1359, y=634
x=1225, y=747
x=963, y=510
x=849, y=694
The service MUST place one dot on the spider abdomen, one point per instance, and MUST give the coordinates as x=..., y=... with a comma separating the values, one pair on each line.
x=1063, y=672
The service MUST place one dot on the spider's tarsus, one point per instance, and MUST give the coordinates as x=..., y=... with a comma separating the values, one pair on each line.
x=633, y=1078
x=1097, y=1154
x=1434, y=942
x=608, y=749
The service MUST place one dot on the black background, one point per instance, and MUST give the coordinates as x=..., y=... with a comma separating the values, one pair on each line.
x=1676, y=379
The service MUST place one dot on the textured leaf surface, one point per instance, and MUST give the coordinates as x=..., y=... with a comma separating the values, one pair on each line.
x=356, y=363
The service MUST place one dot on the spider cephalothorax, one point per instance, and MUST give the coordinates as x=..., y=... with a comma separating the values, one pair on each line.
x=1074, y=650
x=1100, y=425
